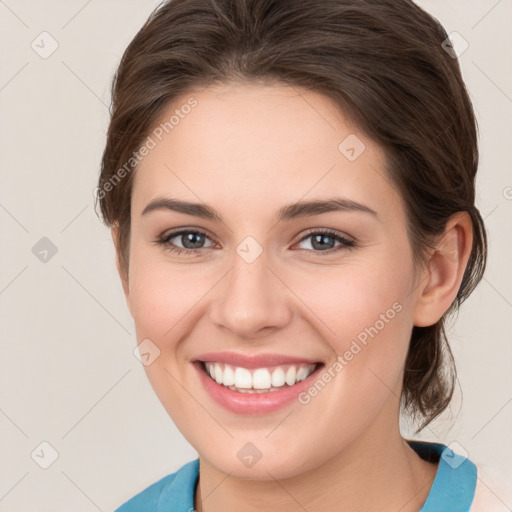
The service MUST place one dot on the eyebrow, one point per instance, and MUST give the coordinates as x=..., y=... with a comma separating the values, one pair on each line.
x=291, y=211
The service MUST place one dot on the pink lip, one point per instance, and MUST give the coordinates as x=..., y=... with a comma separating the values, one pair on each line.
x=254, y=403
x=256, y=361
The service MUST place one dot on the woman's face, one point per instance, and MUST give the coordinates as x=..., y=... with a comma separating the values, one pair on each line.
x=327, y=288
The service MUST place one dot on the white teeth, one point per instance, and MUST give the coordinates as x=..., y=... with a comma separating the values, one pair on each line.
x=229, y=376
x=219, y=374
x=243, y=378
x=258, y=380
x=290, y=376
x=302, y=373
x=261, y=379
x=278, y=379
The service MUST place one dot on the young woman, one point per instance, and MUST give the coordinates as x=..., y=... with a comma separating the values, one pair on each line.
x=291, y=191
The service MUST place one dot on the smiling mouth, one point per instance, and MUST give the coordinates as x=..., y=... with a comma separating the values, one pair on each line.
x=258, y=380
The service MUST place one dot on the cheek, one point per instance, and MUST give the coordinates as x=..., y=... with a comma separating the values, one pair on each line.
x=349, y=300
x=155, y=302
x=364, y=317
x=166, y=298
x=166, y=304
x=364, y=314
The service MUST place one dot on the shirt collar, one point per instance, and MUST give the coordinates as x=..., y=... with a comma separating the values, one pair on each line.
x=455, y=481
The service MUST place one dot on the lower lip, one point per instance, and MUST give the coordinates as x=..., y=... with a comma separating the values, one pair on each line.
x=253, y=403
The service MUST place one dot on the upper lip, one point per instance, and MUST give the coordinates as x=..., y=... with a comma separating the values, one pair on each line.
x=253, y=361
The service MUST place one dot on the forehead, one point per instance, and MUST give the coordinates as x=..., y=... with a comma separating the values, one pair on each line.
x=266, y=143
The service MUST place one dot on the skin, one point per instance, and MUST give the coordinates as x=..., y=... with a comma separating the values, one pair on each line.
x=247, y=150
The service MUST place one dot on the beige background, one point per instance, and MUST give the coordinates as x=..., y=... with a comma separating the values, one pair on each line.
x=68, y=374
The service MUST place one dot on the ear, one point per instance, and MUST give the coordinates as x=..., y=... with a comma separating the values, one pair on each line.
x=114, y=231
x=442, y=277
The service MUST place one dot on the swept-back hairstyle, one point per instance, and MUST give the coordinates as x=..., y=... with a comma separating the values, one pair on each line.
x=388, y=66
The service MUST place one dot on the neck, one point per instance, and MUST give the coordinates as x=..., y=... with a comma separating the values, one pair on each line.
x=376, y=472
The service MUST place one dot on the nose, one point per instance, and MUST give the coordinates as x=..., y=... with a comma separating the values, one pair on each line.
x=252, y=301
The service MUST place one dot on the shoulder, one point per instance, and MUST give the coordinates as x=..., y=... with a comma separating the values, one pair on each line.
x=490, y=493
x=179, y=485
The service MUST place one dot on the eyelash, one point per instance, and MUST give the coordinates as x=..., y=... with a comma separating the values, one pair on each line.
x=167, y=245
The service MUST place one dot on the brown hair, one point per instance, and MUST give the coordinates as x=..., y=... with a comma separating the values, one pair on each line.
x=382, y=61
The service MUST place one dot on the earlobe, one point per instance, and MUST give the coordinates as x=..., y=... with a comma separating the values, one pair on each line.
x=114, y=230
x=442, y=277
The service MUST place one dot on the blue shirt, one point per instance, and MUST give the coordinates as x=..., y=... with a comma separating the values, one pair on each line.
x=453, y=488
